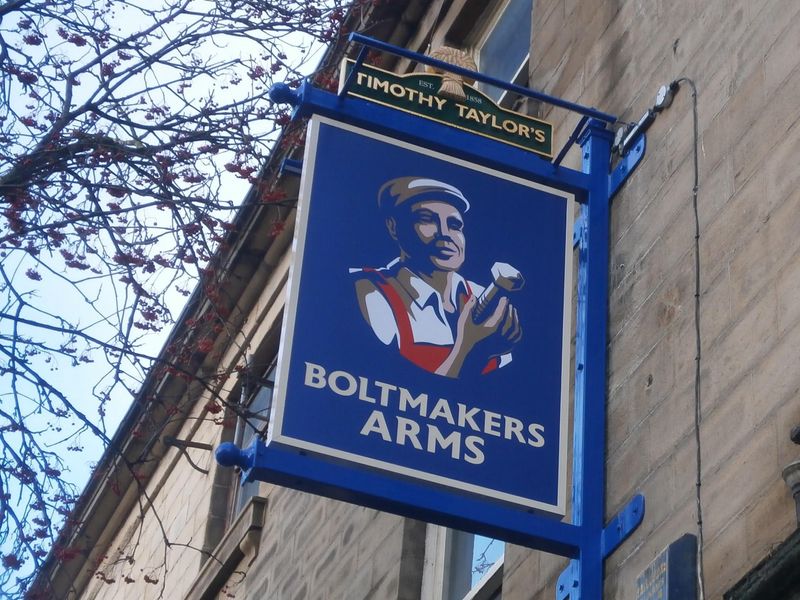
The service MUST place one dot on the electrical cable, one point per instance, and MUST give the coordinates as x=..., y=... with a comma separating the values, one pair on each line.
x=698, y=340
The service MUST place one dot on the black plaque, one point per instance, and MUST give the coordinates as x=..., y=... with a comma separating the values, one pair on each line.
x=673, y=573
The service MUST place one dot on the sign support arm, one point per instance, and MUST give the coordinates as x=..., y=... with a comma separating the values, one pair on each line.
x=583, y=579
x=586, y=540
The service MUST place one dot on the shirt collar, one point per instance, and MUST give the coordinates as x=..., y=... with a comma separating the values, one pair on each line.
x=421, y=292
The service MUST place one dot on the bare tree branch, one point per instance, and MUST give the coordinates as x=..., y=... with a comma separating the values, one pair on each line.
x=129, y=133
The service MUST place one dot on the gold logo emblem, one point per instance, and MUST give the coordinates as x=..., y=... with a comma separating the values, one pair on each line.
x=452, y=84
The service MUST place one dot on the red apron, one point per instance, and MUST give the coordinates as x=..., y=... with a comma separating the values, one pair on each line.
x=427, y=356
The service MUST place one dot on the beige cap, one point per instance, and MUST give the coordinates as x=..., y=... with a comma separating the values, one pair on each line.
x=398, y=191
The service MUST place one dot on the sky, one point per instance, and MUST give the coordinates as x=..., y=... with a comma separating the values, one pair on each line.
x=57, y=297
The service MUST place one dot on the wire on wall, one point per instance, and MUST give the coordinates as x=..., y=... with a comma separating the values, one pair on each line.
x=698, y=340
x=626, y=136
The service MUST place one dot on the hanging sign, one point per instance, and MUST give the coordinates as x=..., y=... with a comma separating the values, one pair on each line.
x=418, y=93
x=427, y=325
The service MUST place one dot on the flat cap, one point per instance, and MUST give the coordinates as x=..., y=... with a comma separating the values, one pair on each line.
x=401, y=190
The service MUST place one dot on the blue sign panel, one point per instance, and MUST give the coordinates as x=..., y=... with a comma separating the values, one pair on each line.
x=427, y=326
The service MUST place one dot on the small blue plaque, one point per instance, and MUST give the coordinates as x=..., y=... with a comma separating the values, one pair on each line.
x=673, y=573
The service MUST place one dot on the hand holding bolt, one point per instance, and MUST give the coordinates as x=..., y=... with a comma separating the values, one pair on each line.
x=504, y=277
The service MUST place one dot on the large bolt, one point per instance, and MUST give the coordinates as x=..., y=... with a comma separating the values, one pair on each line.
x=504, y=278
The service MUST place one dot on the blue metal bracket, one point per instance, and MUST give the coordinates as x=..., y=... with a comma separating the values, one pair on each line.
x=617, y=531
x=406, y=497
x=626, y=165
x=576, y=133
x=308, y=100
x=498, y=83
x=586, y=539
x=622, y=525
x=578, y=230
x=354, y=71
x=569, y=581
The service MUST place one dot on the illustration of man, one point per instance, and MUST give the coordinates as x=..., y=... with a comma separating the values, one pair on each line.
x=419, y=302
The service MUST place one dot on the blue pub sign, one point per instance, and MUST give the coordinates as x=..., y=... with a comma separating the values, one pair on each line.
x=424, y=366
x=428, y=319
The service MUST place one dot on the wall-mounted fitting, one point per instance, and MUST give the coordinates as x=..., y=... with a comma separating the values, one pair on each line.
x=182, y=445
x=664, y=96
x=619, y=137
x=794, y=435
x=791, y=475
x=630, y=132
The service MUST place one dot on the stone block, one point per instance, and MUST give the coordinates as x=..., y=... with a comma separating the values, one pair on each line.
x=782, y=175
x=730, y=490
x=667, y=308
x=775, y=383
x=782, y=56
x=725, y=428
x=383, y=588
x=725, y=561
x=520, y=571
x=788, y=292
x=724, y=362
x=769, y=521
x=708, y=43
x=730, y=227
x=671, y=423
x=357, y=587
x=628, y=467
x=636, y=396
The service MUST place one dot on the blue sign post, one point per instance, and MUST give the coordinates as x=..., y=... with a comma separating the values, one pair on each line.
x=425, y=351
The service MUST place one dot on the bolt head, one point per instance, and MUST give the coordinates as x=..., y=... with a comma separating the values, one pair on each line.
x=507, y=277
x=619, y=136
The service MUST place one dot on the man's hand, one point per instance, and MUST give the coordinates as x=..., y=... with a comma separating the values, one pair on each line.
x=471, y=332
x=510, y=329
x=502, y=322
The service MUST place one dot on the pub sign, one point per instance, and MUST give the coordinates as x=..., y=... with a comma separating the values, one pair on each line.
x=427, y=326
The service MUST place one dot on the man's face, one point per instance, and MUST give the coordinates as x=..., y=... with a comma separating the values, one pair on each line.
x=431, y=236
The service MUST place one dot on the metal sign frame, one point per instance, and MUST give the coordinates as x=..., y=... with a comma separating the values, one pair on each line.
x=586, y=538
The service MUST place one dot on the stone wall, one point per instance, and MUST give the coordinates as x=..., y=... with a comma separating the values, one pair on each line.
x=744, y=57
x=613, y=54
x=314, y=548
x=173, y=505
